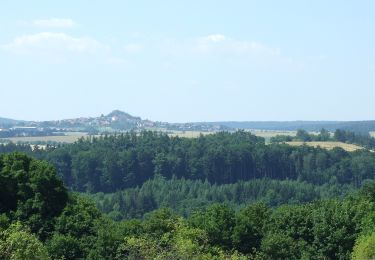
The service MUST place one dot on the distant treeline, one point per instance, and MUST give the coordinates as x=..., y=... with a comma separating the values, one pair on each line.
x=21, y=132
x=311, y=126
x=364, y=140
x=113, y=163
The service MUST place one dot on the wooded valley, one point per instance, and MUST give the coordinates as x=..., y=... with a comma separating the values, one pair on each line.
x=148, y=195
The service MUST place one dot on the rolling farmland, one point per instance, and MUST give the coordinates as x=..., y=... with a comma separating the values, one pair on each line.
x=267, y=134
x=72, y=137
x=69, y=138
x=328, y=145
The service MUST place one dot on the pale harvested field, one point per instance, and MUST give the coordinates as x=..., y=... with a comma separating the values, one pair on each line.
x=261, y=133
x=72, y=137
x=270, y=133
x=189, y=134
x=372, y=134
x=328, y=145
x=59, y=139
x=265, y=134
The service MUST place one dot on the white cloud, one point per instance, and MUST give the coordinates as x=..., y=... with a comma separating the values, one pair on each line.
x=133, y=48
x=226, y=50
x=254, y=47
x=220, y=44
x=215, y=38
x=62, y=48
x=52, y=42
x=54, y=23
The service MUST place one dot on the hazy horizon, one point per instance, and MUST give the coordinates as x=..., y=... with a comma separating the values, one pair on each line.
x=155, y=120
x=188, y=61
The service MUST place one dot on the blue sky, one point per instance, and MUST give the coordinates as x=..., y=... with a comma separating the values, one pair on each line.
x=185, y=60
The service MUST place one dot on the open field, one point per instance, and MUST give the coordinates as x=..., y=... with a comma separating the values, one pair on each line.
x=188, y=134
x=261, y=133
x=328, y=145
x=71, y=138
x=74, y=136
x=270, y=133
x=267, y=134
x=372, y=134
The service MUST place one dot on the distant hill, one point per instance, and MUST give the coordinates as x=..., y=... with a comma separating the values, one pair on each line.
x=6, y=122
x=118, y=121
x=114, y=121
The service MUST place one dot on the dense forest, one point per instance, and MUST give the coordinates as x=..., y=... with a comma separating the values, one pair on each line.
x=40, y=219
x=132, y=174
x=187, y=196
x=224, y=196
x=113, y=163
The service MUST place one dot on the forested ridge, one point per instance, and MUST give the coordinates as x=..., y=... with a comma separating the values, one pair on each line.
x=40, y=219
x=113, y=163
x=132, y=174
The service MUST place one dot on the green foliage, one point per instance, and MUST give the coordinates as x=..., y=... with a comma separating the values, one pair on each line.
x=324, y=229
x=78, y=218
x=303, y=135
x=163, y=235
x=280, y=246
x=17, y=242
x=4, y=221
x=166, y=236
x=187, y=196
x=78, y=225
x=368, y=191
x=218, y=221
x=138, y=248
x=107, y=239
x=288, y=232
x=281, y=138
x=364, y=248
x=31, y=192
x=64, y=247
x=249, y=227
x=159, y=222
